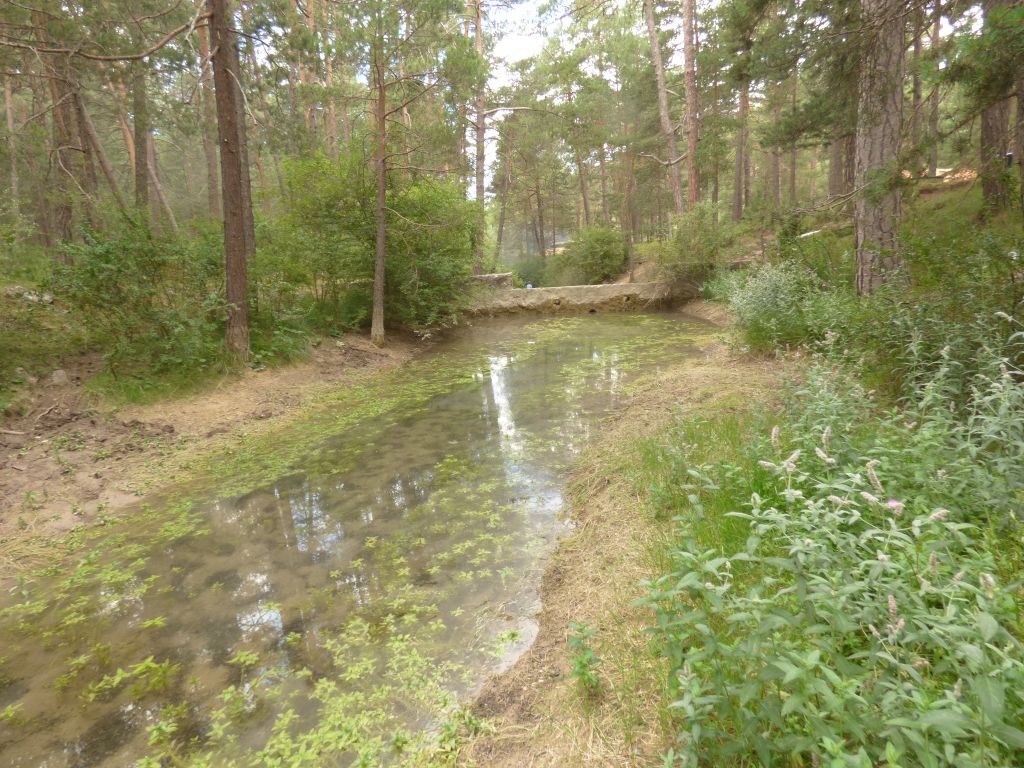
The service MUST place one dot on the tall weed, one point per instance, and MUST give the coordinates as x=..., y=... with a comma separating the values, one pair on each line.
x=870, y=615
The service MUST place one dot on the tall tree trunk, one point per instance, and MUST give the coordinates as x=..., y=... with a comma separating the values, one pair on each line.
x=692, y=101
x=933, y=99
x=503, y=202
x=793, y=152
x=207, y=121
x=331, y=120
x=12, y=141
x=878, y=210
x=380, y=158
x=775, y=155
x=742, y=164
x=665, y=116
x=480, y=135
x=835, y=168
x=1019, y=147
x=605, y=207
x=540, y=225
x=995, y=138
x=140, y=123
x=581, y=173
x=916, y=92
x=231, y=136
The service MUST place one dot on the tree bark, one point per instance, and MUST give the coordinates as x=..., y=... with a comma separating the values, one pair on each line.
x=605, y=207
x=692, y=101
x=581, y=173
x=507, y=182
x=775, y=156
x=480, y=135
x=916, y=92
x=12, y=141
x=140, y=123
x=208, y=119
x=665, y=116
x=158, y=187
x=878, y=210
x=101, y=156
x=380, y=161
x=1019, y=145
x=231, y=136
x=835, y=168
x=793, y=152
x=540, y=225
x=933, y=99
x=742, y=164
x=995, y=137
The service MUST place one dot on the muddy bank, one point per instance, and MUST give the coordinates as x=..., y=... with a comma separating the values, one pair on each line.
x=539, y=714
x=70, y=460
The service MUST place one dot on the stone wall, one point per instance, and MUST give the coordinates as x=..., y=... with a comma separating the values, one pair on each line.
x=617, y=297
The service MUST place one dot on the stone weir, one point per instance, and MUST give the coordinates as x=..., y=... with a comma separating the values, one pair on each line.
x=614, y=297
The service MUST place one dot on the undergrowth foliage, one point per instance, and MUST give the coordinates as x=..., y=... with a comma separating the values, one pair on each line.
x=868, y=611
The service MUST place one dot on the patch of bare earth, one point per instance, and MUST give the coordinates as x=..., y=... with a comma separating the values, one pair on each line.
x=541, y=716
x=69, y=459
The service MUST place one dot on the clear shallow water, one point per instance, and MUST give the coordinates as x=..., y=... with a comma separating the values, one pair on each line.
x=331, y=592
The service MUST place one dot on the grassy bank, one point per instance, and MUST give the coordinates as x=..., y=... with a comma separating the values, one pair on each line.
x=823, y=572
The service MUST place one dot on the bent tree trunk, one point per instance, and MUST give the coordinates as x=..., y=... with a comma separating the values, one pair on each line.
x=231, y=135
x=674, y=174
x=878, y=209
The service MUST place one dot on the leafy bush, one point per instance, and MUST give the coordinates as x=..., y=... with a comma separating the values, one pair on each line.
x=596, y=255
x=529, y=271
x=770, y=304
x=865, y=616
x=326, y=242
x=148, y=296
x=697, y=240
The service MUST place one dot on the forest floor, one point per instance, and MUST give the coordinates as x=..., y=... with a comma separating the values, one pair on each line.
x=540, y=714
x=70, y=459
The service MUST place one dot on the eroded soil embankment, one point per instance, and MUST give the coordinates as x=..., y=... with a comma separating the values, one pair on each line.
x=540, y=716
x=70, y=460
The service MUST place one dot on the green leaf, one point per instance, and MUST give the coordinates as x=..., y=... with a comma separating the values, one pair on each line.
x=988, y=626
x=991, y=696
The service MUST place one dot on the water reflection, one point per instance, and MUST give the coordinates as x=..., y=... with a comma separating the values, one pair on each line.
x=429, y=523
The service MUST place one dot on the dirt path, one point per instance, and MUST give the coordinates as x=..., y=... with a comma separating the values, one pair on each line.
x=540, y=716
x=70, y=460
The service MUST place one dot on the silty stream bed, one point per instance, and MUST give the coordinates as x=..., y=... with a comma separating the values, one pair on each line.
x=327, y=594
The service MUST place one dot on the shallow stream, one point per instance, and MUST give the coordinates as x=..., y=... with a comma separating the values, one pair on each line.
x=329, y=593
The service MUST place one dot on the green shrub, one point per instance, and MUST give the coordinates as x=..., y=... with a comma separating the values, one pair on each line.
x=529, y=271
x=596, y=255
x=770, y=302
x=697, y=240
x=865, y=616
x=153, y=300
x=326, y=242
x=584, y=661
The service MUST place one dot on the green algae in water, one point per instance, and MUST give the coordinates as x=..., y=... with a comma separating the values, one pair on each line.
x=329, y=593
